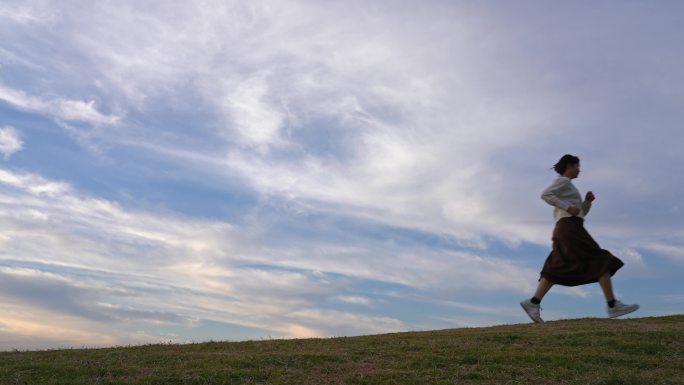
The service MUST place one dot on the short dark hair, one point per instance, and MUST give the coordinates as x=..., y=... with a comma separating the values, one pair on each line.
x=565, y=161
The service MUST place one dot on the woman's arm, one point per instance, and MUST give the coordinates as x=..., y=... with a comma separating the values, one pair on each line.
x=549, y=195
x=586, y=205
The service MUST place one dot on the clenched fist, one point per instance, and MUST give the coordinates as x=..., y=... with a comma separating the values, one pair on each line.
x=590, y=197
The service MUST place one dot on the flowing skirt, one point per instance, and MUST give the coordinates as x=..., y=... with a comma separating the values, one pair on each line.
x=576, y=259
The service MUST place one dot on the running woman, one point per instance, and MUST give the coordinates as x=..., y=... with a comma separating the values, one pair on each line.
x=576, y=259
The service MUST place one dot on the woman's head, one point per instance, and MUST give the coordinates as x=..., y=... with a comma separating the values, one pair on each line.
x=566, y=161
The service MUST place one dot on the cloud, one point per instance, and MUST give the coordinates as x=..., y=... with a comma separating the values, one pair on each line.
x=338, y=323
x=256, y=121
x=21, y=329
x=673, y=251
x=383, y=132
x=33, y=184
x=93, y=260
x=59, y=294
x=632, y=256
x=362, y=119
x=365, y=119
x=10, y=141
x=34, y=12
x=59, y=108
x=357, y=300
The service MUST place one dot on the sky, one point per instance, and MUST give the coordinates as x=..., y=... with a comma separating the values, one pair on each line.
x=230, y=170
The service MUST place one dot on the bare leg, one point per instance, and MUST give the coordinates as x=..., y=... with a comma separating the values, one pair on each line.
x=543, y=288
x=607, y=286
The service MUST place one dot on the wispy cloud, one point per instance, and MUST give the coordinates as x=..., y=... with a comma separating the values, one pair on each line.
x=355, y=300
x=10, y=141
x=91, y=259
x=358, y=119
x=32, y=12
x=59, y=108
x=674, y=251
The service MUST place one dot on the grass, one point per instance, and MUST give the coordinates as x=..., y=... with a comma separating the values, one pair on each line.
x=586, y=351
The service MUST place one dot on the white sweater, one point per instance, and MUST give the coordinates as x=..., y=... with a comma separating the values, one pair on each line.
x=562, y=194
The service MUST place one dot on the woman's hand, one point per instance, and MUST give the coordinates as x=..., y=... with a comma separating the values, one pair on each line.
x=590, y=197
x=573, y=211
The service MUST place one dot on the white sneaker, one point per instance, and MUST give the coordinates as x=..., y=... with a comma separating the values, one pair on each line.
x=532, y=310
x=620, y=309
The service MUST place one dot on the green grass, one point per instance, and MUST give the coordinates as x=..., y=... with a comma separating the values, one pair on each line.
x=586, y=351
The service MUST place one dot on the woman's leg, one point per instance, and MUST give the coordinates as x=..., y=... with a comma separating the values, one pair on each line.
x=531, y=306
x=615, y=307
x=543, y=288
x=606, y=286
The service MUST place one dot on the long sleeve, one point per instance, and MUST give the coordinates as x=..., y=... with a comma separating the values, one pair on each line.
x=586, y=206
x=562, y=195
x=551, y=196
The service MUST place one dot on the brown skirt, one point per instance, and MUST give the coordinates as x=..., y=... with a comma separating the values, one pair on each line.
x=576, y=259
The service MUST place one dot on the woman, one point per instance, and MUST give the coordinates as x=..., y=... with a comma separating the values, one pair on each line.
x=576, y=259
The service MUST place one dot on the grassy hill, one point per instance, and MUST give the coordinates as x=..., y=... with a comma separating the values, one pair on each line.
x=586, y=351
